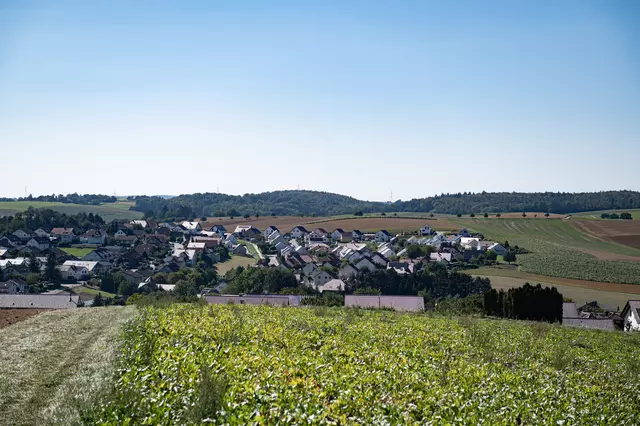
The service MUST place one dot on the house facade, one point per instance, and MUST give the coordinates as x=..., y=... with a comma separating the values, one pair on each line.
x=93, y=236
x=192, y=227
x=270, y=230
x=71, y=272
x=218, y=229
x=299, y=232
x=426, y=230
x=320, y=277
x=64, y=235
x=631, y=315
x=41, y=243
x=383, y=236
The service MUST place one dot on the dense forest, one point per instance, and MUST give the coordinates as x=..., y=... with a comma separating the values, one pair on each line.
x=327, y=204
x=87, y=199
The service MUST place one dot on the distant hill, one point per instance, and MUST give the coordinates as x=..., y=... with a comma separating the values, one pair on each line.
x=328, y=204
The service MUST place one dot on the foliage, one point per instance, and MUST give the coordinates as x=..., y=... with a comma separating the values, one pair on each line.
x=46, y=218
x=92, y=199
x=261, y=280
x=265, y=365
x=417, y=250
x=51, y=272
x=327, y=299
x=625, y=216
x=437, y=283
x=509, y=256
x=328, y=204
x=526, y=303
x=470, y=305
x=367, y=291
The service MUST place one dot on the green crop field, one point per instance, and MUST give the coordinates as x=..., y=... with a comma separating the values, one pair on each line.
x=556, y=249
x=265, y=365
x=108, y=211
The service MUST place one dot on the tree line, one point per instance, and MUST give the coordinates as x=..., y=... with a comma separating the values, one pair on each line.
x=33, y=219
x=307, y=203
x=87, y=199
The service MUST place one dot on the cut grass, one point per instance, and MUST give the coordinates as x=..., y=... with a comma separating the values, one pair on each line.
x=108, y=211
x=234, y=262
x=55, y=365
x=77, y=252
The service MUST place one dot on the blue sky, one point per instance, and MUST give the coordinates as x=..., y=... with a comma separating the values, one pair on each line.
x=355, y=97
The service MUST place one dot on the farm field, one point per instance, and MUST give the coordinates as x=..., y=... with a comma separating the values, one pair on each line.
x=258, y=364
x=635, y=213
x=234, y=262
x=77, y=252
x=559, y=249
x=348, y=223
x=625, y=232
x=57, y=363
x=108, y=211
x=607, y=299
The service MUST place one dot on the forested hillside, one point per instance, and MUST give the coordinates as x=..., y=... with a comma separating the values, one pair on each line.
x=328, y=204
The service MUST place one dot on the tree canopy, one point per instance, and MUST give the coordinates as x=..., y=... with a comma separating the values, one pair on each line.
x=326, y=204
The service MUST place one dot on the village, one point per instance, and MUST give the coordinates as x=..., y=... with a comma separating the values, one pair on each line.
x=324, y=261
x=142, y=248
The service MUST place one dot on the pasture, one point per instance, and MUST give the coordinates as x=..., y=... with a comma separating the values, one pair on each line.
x=559, y=248
x=264, y=365
x=108, y=211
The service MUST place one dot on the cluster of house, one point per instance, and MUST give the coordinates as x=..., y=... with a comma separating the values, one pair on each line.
x=327, y=260
x=140, y=248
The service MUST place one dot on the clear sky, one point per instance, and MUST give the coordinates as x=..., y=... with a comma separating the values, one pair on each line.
x=355, y=97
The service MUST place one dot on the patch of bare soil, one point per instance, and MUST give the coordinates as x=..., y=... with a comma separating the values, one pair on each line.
x=12, y=316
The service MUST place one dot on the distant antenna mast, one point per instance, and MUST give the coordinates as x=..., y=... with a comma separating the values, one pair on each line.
x=391, y=196
x=218, y=189
x=25, y=191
